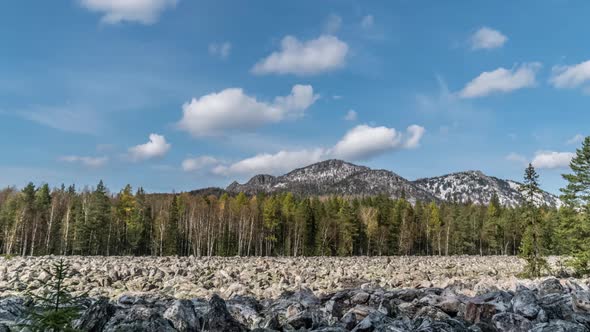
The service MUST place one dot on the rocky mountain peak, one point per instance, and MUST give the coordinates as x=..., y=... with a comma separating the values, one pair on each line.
x=337, y=177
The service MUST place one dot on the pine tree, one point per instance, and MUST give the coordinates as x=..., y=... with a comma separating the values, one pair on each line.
x=95, y=231
x=171, y=233
x=56, y=310
x=531, y=249
x=576, y=196
x=127, y=213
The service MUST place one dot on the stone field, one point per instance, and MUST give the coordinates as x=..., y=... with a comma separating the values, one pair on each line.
x=464, y=293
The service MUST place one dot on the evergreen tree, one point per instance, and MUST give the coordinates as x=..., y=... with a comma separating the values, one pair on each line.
x=127, y=213
x=171, y=230
x=576, y=196
x=531, y=249
x=97, y=216
x=56, y=310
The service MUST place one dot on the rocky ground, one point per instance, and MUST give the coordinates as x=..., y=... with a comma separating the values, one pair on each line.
x=319, y=294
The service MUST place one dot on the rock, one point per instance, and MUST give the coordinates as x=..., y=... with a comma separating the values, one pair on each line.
x=360, y=298
x=11, y=310
x=559, y=326
x=138, y=318
x=43, y=276
x=451, y=306
x=511, y=322
x=557, y=306
x=301, y=320
x=525, y=303
x=476, y=312
x=183, y=317
x=246, y=310
x=349, y=321
x=96, y=316
x=550, y=286
x=581, y=301
x=432, y=313
x=219, y=319
x=374, y=322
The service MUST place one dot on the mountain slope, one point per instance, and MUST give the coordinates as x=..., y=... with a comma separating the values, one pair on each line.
x=334, y=177
x=479, y=188
x=337, y=177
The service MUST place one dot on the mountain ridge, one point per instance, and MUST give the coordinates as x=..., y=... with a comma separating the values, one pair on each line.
x=338, y=177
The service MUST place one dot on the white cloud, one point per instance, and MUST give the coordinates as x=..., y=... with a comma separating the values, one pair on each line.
x=194, y=164
x=364, y=142
x=360, y=143
x=415, y=133
x=517, y=158
x=367, y=22
x=117, y=11
x=304, y=58
x=232, y=109
x=577, y=139
x=351, y=115
x=93, y=162
x=501, y=80
x=221, y=50
x=333, y=24
x=552, y=159
x=156, y=147
x=570, y=76
x=279, y=162
x=300, y=99
x=487, y=38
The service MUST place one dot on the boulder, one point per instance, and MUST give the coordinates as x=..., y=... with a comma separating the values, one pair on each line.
x=511, y=322
x=96, y=316
x=219, y=319
x=183, y=316
x=550, y=286
x=525, y=303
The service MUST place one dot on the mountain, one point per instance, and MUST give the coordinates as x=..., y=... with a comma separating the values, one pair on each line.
x=337, y=177
x=479, y=188
x=334, y=177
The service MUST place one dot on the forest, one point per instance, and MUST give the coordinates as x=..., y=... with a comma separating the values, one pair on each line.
x=39, y=220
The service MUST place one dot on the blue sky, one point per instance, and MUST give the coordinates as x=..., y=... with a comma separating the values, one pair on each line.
x=174, y=95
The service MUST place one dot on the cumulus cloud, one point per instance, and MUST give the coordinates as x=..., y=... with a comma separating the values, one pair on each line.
x=552, y=159
x=577, y=139
x=194, y=164
x=351, y=115
x=487, y=38
x=501, y=80
x=279, y=162
x=157, y=147
x=232, y=109
x=364, y=142
x=367, y=22
x=415, y=134
x=517, y=158
x=570, y=76
x=311, y=57
x=221, y=50
x=93, y=162
x=360, y=143
x=117, y=11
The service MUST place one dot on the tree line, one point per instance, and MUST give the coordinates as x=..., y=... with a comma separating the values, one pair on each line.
x=67, y=221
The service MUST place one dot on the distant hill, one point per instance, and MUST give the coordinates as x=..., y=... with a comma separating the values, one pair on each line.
x=337, y=177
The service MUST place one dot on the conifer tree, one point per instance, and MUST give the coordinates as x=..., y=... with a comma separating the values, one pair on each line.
x=576, y=214
x=531, y=249
x=57, y=308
